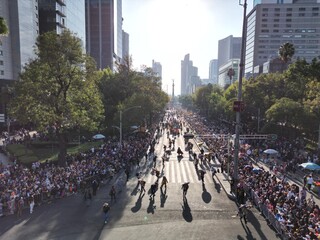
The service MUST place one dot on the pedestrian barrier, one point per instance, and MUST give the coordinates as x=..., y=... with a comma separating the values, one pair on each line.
x=268, y=215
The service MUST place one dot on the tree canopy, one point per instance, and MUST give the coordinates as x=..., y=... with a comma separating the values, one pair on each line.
x=58, y=88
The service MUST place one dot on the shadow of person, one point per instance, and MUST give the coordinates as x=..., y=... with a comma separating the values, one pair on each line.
x=137, y=206
x=247, y=230
x=135, y=190
x=163, y=198
x=186, y=211
x=217, y=185
x=256, y=224
x=151, y=206
x=206, y=196
x=179, y=157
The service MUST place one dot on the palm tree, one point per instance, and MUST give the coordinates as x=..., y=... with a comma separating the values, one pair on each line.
x=286, y=51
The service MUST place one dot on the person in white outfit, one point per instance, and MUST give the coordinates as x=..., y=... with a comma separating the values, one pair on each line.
x=31, y=204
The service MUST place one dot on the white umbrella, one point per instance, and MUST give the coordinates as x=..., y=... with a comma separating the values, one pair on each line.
x=98, y=136
x=310, y=166
x=270, y=151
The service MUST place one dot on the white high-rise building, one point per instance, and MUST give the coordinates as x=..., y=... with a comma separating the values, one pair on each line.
x=213, y=71
x=18, y=47
x=272, y=23
x=189, y=76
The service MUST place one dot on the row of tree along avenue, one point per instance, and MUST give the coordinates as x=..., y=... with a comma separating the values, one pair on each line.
x=286, y=103
x=61, y=89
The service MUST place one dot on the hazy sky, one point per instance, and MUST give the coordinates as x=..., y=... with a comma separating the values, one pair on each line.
x=167, y=30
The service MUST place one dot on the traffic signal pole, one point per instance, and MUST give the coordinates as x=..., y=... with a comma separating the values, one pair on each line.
x=239, y=98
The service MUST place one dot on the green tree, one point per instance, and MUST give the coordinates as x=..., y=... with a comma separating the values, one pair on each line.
x=59, y=89
x=286, y=112
x=312, y=102
x=286, y=52
x=296, y=79
x=4, y=30
x=202, y=97
x=186, y=101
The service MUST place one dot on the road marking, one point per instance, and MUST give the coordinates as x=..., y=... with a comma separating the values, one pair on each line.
x=189, y=170
x=178, y=171
x=183, y=170
x=171, y=165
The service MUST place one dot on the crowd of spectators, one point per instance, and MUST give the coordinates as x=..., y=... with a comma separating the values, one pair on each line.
x=22, y=187
x=298, y=215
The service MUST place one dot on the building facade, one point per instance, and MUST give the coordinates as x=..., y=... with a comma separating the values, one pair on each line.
x=18, y=47
x=213, y=71
x=125, y=45
x=57, y=15
x=224, y=78
x=104, y=32
x=157, y=68
x=272, y=23
x=229, y=53
x=189, y=76
x=228, y=48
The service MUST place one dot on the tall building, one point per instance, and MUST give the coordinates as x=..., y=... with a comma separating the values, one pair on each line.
x=228, y=48
x=229, y=53
x=18, y=47
x=213, y=71
x=104, y=31
x=157, y=68
x=272, y=23
x=125, y=45
x=57, y=15
x=189, y=76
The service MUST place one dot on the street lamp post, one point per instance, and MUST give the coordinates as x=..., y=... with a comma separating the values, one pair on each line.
x=120, y=127
x=241, y=73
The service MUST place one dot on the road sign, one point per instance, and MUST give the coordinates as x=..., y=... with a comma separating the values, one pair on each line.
x=238, y=106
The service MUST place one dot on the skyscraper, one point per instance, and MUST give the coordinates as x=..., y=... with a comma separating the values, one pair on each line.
x=228, y=48
x=272, y=23
x=229, y=51
x=104, y=31
x=157, y=68
x=125, y=45
x=213, y=71
x=57, y=15
x=189, y=76
x=18, y=47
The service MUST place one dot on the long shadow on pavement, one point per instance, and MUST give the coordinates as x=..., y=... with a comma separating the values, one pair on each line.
x=255, y=223
x=186, y=211
x=163, y=197
x=217, y=186
x=206, y=196
x=151, y=206
x=137, y=207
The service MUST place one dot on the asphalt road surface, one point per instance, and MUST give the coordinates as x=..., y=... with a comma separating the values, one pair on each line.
x=207, y=214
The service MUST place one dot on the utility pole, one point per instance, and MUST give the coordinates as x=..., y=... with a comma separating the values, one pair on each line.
x=239, y=98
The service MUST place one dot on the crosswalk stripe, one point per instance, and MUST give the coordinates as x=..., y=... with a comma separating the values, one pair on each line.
x=171, y=166
x=178, y=170
x=183, y=171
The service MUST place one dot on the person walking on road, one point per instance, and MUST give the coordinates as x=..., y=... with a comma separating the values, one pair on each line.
x=164, y=183
x=202, y=173
x=112, y=193
x=142, y=186
x=106, y=209
x=185, y=188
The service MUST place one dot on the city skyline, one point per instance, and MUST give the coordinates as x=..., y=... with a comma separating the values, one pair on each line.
x=168, y=30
